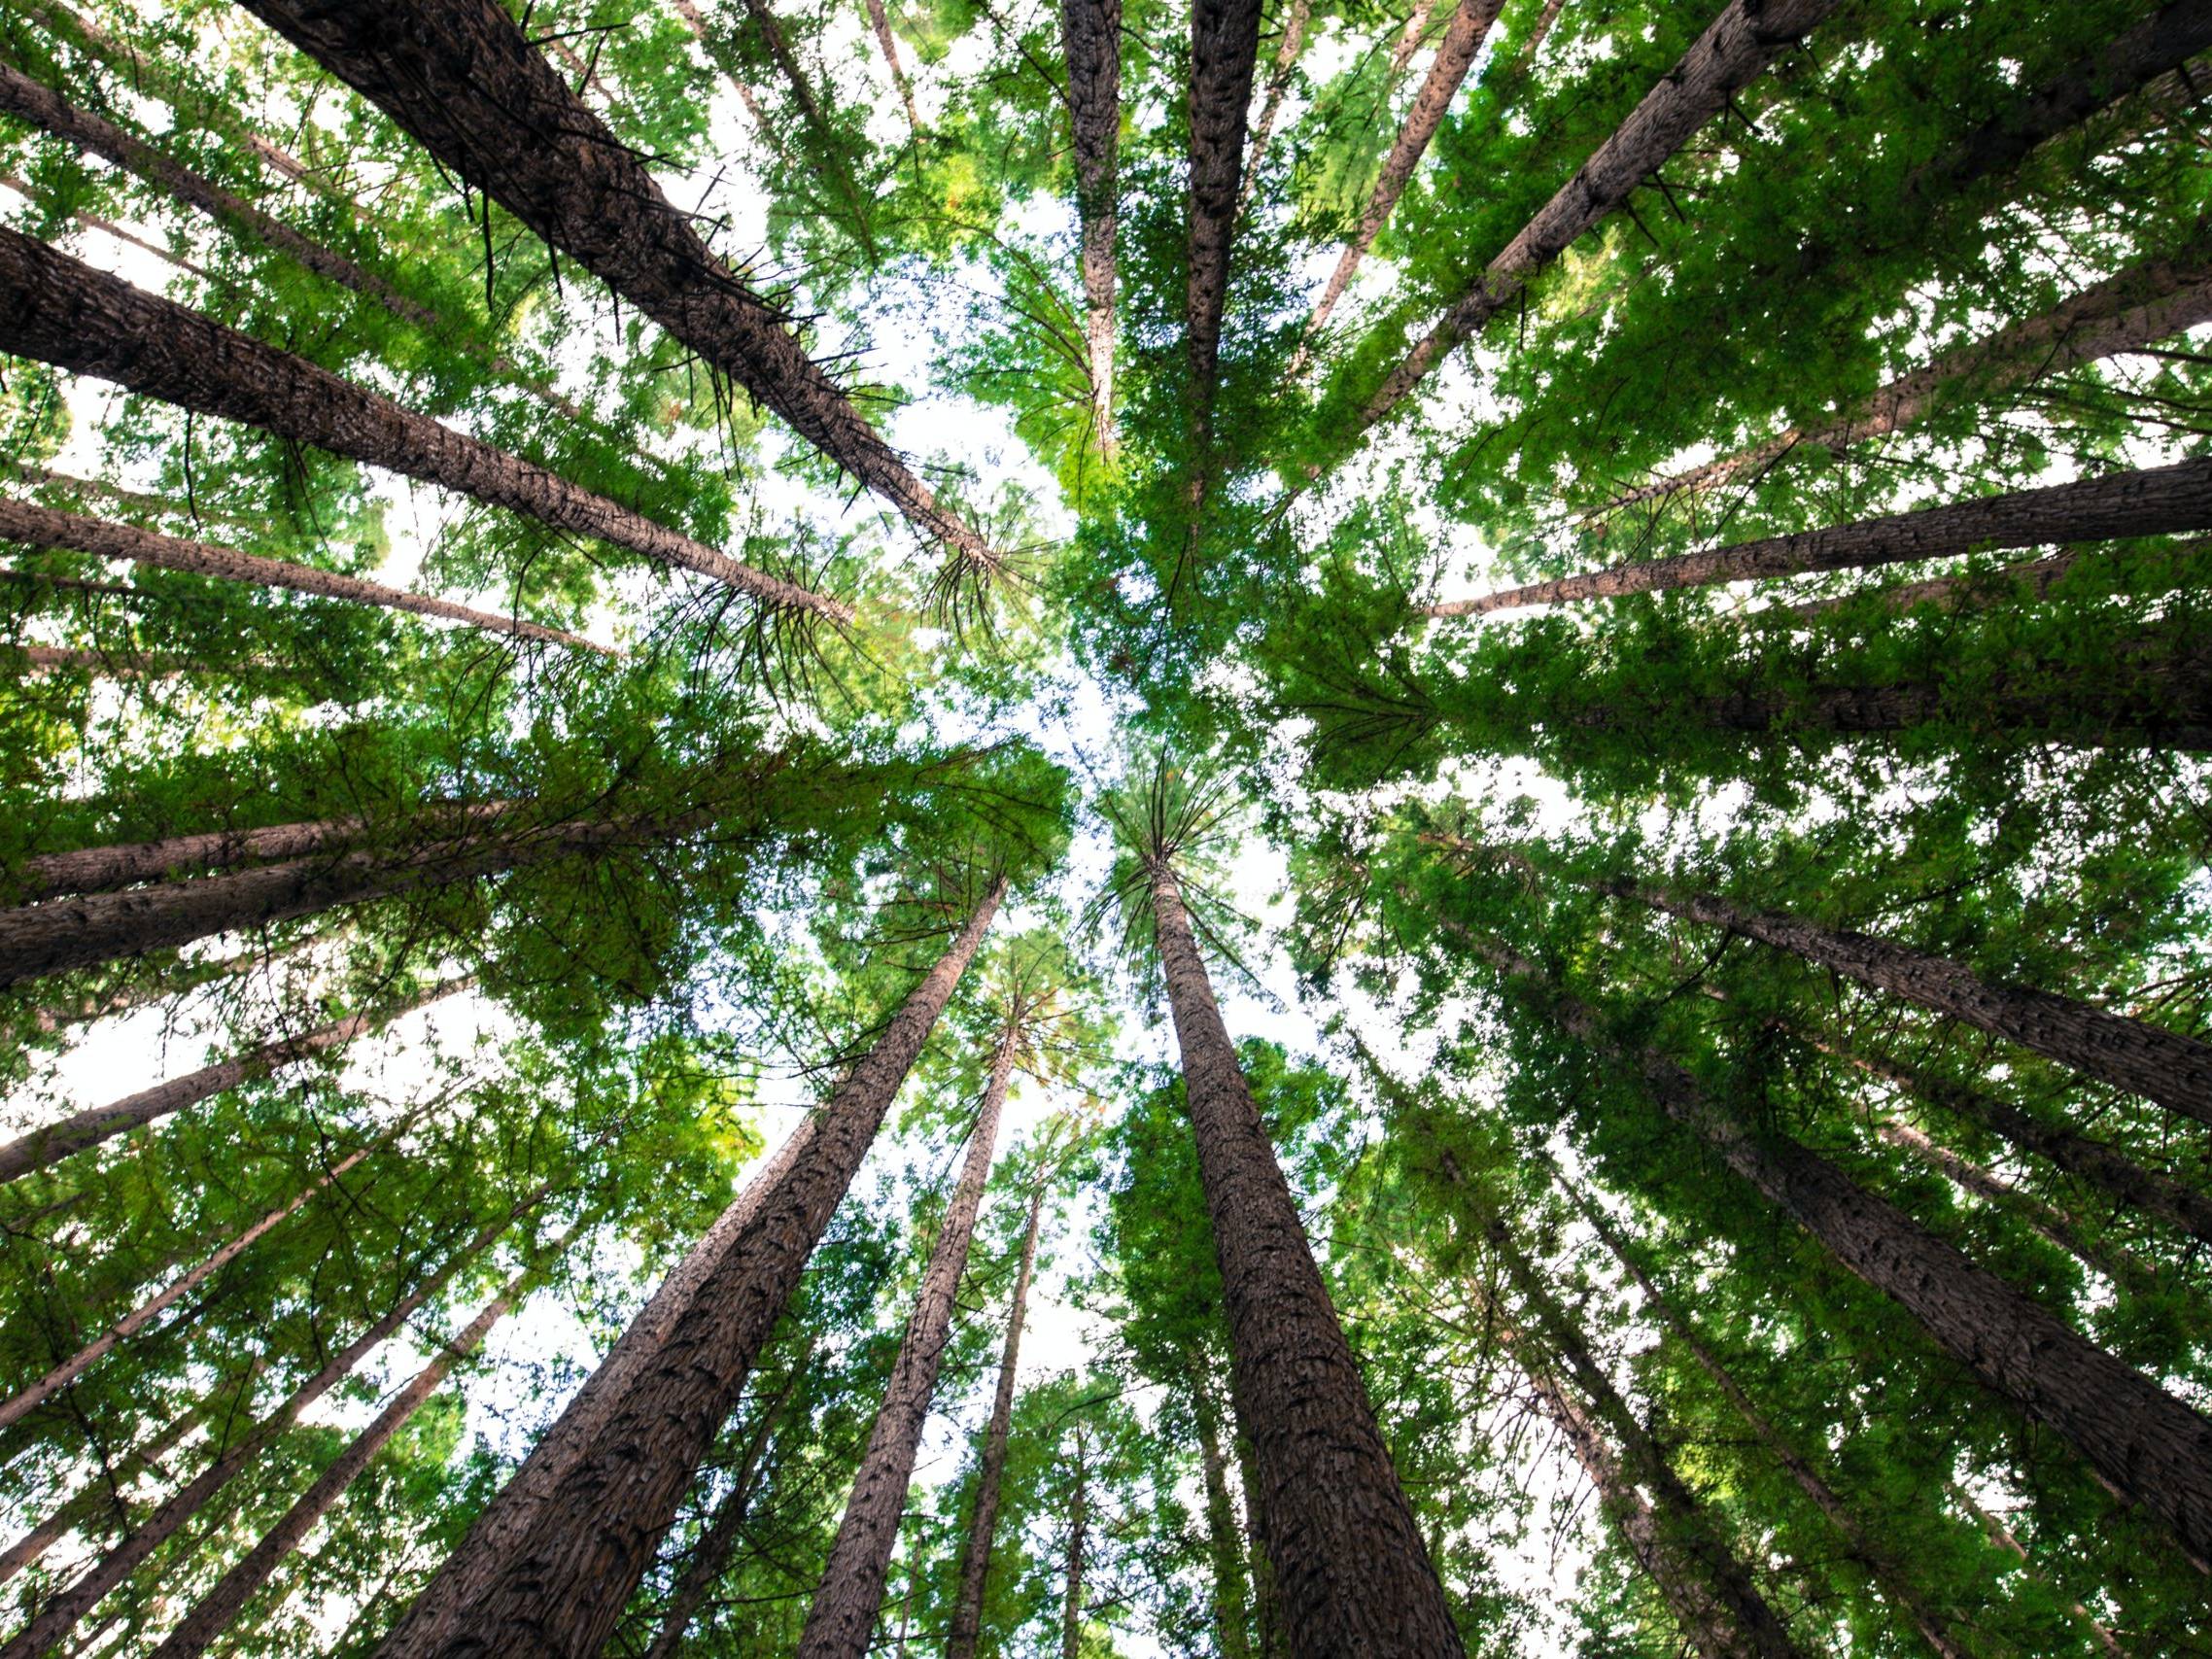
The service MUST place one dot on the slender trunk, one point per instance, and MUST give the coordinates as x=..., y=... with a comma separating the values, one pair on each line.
x=711, y=1556
x=1875, y=1559
x=1091, y=37
x=1269, y=1640
x=42, y=1148
x=1221, y=1533
x=697, y=24
x=1463, y=39
x=159, y=506
x=1733, y=51
x=2144, y=1444
x=1297, y=16
x=190, y=977
x=1524, y=58
x=842, y=1616
x=60, y=311
x=1351, y=1569
x=830, y=153
x=879, y=20
x=44, y=526
x=2124, y=313
x=103, y=664
x=2151, y=503
x=1225, y=54
x=1078, y=1523
x=106, y=227
x=2003, y=1537
x=2164, y=1066
x=2027, y=579
x=460, y=76
x=60, y=1615
x=560, y=1589
x=983, y=1525
x=1409, y=38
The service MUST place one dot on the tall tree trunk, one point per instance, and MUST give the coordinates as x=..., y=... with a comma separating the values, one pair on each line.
x=1351, y=1568
x=1409, y=38
x=1464, y=36
x=62, y=1614
x=2151, y=503
x=60, y=311
x=189, y=976
x=1297, y=15
x=2142, y=1442
x=711, y=1556
x=879, y=20
x=2004, y=1538
x=42, y=1148
x=1270, y=1639
x=802, y=91
x=560, y=1588
x=1731, y=53
x=461, y=79
x=1077, y=1526
x=2162, y=1065
x=137, y=500
x=1222, y=1535
x=1091, y=38
x=1873, y=1557
x=44, y=526
x=696, y=22
x=1224, y=55
x=2124, y=313
x=973, y=1576
x=843, y=1617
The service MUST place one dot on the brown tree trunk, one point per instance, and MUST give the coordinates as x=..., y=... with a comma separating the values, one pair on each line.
x=1874, y=1558
x=966, y=1630
x=696, y=22
x=40, y=1149
x=560, y=1588
x=1746, y=37
x=461, y=79
x=1464, y=36
x=1297, y=15
x=2150, y=502
x=60, y=311
x=44, y=526
x=802, y=91
x=1351, y=1569
x=1409, y=38
x=1224, y=55
x=189, y=978
x=1270, y=1639
x=137, y=500
x=1078, y=1525
x=2004, y=1538
x=1222, y=1531
x=62, y=1614
x=843, y=1617
x=1091, y=38
x=879, y=20
x=2162, y=1065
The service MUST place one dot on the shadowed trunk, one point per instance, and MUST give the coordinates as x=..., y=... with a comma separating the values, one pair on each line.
x=1270, y=1640
x=1078, y=1524
x=559, y=1588
x=61, y=312
x=1222, y=1536
x=1350, y=1566
x=1296, y=15
x=843, y=1616
x=1225, y=52
x=1091, y=38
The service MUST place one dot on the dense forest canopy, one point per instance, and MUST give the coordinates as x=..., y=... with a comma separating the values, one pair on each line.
x=1278, y=829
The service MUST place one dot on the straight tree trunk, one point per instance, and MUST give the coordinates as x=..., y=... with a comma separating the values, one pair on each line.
x=1269, y=1640
x=802, y=91
x=842, y=1616
x=461, y=79
x=1873, y=1557
x=2004, y=1538
x=1409, y=38
x=1091, y=38
x=1078, y=1525
x=42, y=1148
x=696, y=22
x=1224, y=55
x=60, y=311
x=879, y=20
x=966, y=1630
x=1222, y=1531
x=1742, y=42
x=560, y=1589
x=2152, y=503
x=1350, y=1565
x=1464, y=35
x=190, y=977
x=136, y=500
x=1295, y=17
x=44, y=526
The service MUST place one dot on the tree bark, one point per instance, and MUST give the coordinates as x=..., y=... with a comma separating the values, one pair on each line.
x=1222, y=1531
x=60, y=311
x=1224, y=55
x=842, y=1616
x=1270, y=1639
x=795, y=81
x=1350, y=1565
x=2162, y=1065
x=879, y=20
x=2152, y=503
x=560, y=1588
x=1746, y=37
x=1297, y=16
x=1464, y=36
x=1409, y=38
x=42, y=1148
x=1078, y=1524
x=44, y=526
x=1091, y=38
x=966, y=1632
x=461, y=79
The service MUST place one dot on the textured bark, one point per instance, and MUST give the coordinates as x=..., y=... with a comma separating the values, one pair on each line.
x=1222, y=1534
x=1077, y=1526
x=461, y=79
x=2028, y=579
x=44, y=526
x=1350, y=1566
x=843, y=1617
x=63, y=312
x=973, y=1576
x=43, y=1147
x=1224, y=55
x=2164, y=1066
x=1409, y=37
x=2154, y=502
x=2004, y=1538
x=1464, y=36
x=62, y=1614
x=1091, y=38
x=2124, y=313
x=1746, y=37
x=1874, y=1558
x=1269, y=1640
x=560, y=1588
x=1295, y=17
